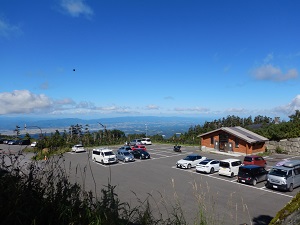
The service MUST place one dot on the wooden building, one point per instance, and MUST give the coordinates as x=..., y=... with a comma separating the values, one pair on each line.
x=234, y=139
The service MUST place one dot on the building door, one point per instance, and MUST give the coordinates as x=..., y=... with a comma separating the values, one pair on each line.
x=223, y=139
x=216, y=145
x=228, y=147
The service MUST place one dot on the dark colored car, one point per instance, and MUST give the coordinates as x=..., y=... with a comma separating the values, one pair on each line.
x=254, y=160
x=23, y=142
x=140, y=154
x=252, y=174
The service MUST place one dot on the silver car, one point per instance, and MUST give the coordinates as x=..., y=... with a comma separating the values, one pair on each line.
x=125, y=156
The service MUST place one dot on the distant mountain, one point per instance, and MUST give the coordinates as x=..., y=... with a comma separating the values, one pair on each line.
x=149, y=125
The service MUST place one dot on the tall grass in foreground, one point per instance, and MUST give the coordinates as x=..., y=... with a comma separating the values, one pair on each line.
x=40, y=192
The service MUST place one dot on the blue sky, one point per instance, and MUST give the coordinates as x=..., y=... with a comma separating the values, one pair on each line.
x=149, y=58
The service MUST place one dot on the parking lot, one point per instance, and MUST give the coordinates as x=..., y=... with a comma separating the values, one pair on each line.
x=159, y=176
x=164, y=185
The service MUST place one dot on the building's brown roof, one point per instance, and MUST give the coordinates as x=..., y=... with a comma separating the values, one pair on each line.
x=240, y=132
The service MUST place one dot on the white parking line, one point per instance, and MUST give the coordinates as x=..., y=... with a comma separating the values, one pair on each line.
x=234, y=181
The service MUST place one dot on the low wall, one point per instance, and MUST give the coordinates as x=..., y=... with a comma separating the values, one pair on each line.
x=289, y=146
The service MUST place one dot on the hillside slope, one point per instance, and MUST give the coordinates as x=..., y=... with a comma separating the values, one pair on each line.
x=290, y=214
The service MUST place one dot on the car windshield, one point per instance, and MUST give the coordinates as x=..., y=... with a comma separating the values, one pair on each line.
x=224, y=164
x=204, y=162
x=189, y=158
x=243, y=170
x=126, y=153
x=108, y=153
x=248, y=159
x=278, y=172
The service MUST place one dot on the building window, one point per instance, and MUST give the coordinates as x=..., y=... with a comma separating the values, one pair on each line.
x=211, y=140
x=237, y=143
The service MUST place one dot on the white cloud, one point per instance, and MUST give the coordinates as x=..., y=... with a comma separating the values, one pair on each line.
x=6, y=29
x=290, y=108
x=76, y=8
x=235, y=110
x=22, y=101
x=269, y=72
x=152, y=107
x=65, y=101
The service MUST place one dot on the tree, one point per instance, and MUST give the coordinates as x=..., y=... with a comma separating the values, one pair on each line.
x=17, y=131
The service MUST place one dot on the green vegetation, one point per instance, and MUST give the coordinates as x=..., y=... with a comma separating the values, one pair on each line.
x=289, y=209
x=279, y=150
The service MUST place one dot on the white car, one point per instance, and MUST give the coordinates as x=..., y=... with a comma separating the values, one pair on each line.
x=208, y=166
x=229, y=167
x=33, y=144
x=146, y=141
x=78, y=148
x=190, y=161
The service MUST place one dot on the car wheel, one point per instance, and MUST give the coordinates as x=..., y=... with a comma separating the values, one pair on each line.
x=94, y=159
x=232, y=174
x=124, y=160
x=141, y=157
x=291, y=188
x=189, y=166
x=254, y=182
x=102, y=161
x=212, y=170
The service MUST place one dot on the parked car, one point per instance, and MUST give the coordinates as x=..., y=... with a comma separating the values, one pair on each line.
x=229, y=167
x=33, y=144
x=208, y=166
x=190, y=161
x=136, y=142
x=104, y=156
x=125, y=156
x=284, y=177
x=12, y=142
x=141, y=154
x=139, y=147
x=78, y=148
x=126, y=147
x=146, y=141
x=252, y=174
x=6, y=141
x=254, y=160
x=24, y=142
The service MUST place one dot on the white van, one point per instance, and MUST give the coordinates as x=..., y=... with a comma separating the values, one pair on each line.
x=104, y=156
x=229, y=167
x=146, y=141
x=284, y=177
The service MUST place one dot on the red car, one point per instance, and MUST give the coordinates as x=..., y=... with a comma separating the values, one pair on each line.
x=255, y=160
x=143, y=147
